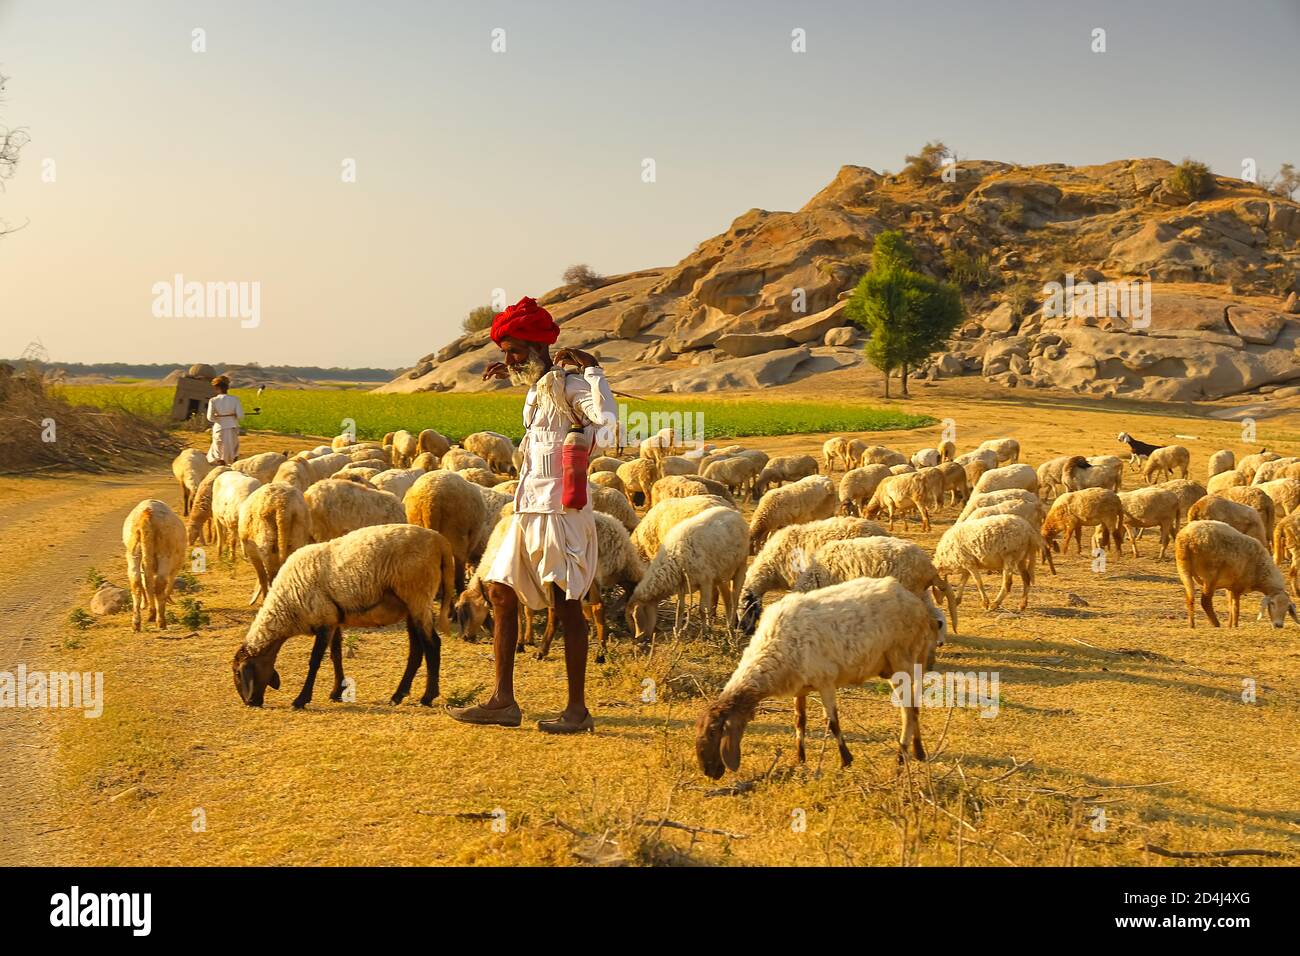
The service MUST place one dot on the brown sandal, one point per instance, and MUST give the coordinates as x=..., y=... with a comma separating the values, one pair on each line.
x=558, y=725
x=495, y=716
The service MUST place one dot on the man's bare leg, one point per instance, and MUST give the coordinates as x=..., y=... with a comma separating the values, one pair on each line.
x=501, y=707
x=575, y=656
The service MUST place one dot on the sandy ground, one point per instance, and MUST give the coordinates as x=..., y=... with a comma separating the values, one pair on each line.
x=1118, y=727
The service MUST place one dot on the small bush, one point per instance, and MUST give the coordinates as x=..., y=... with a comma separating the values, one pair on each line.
x=582, y=275
x=968, y=271
x=923, y=165
x=479, y=318
x=459, y=698
x=1191, y=180
x=95, y=579
x=80, y=619
x=186, y=583
x=1022, y=298
x=192, y=614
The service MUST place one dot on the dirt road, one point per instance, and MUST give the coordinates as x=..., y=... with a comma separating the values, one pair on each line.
x=50, y=543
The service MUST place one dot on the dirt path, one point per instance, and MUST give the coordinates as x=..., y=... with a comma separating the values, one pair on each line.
x=50, y=542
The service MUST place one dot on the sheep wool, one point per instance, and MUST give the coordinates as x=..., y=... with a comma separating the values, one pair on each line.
x=154, y=538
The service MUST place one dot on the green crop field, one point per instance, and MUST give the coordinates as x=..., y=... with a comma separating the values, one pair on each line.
x=323, y=413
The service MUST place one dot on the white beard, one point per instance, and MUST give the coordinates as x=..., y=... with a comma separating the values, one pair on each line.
x=529, y=372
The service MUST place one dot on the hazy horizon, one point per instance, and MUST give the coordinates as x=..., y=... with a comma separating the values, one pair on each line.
x=477, y=170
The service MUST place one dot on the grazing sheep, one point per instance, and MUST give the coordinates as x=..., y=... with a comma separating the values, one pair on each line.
x=262, y=467
x=660, y=445
x=1051, y=476
x=1076, y=510
x=510, y=487
x=1187, y=492
x=1007, y=449
x=663, y=517
x=737, y=473
x=1285, y=493
x=858, y=485
x=638, y=477
x=396, y=481
x=1286, y=545
x=1153, y=507
x=976, y=463
x=1010, y=476
x=784, y=469
x=190, y=467
x=956, y=489
x=273, y=523
x=881, y=455
x=898, y=495
x=1163, y=462
x=878, y=557
x=705, y=553
x=1241, y=517
x=678, y=465
x=836, y=637
x=835, y=451
x=372, y=577
x=807, y=499
x=200, y=517
x=1220, y=461
x=1227, y=479
x=607, y=479
x=495, y=504
x=405, y=447
x=1213, y=555
x=340, y=507
x=1248, y=465
x=445, y=502
x=361, y=476
x=684, y=486
x=925, y=458
x=302, y=473
x=614, y=503
x=1257, y=498
x=433, y=443
x=605, y=463
x=154, y=538
x=785, y=556
x=1100, y=471
x=495, y=449
x=459, y=459
x=998, y=544
x=947, y=450
x=426, y=461
x=481, y=476
x=228, y=494
x=905, y=469
x=1269, y=470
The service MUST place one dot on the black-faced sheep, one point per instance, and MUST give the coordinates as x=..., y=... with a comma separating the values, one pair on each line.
x=372, y=577
x=836, y=637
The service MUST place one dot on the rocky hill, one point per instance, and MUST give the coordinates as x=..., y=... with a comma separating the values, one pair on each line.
x=763, y=303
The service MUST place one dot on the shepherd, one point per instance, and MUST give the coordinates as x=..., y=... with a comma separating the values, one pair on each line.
x=548, y=554
x=225, y=412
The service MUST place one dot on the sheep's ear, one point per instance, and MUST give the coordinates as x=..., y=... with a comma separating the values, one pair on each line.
x=274, y=682
x=730, y=744
x=246, y=682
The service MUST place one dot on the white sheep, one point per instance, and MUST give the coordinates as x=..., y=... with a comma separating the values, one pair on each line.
x=925, y=458
x=835, y=451
x=878, y=557
x=397, y=481
x=405, y=447
x=1269, y=470
x=807, y=499
x=956, y=488
x=1213, y=555
x=302, y=473
x=782, y=470
x=1227, y=479
x=460, y=459
x=836, y=637
x=372, y=577
x=1000, y=544
x=228, y=493
x=898, y=495
x=1051, y=476
x=199, y=521
x=737, y=472
x=154, y=538
x=604, y=463
x=858, y=486
x=678, y=465
x=432, y=442
x=1220, y=461
x=947, y=450
x=1187, y=492
x=1076, y=510
x=262, y=467
x=607, y=479
x=638, y=477
x=190, y=467
x=338, y=507
x=976, y=463
x=1163, y=462
x=785, y=556
x=1152, y=507
x=1007, y=449
x=705, y=554
x=684, y=486
x=1240, y=517
x=273, y=523
x=1248, y=465
x=445, y=502
x=614, y=503
x=1255, y=497
x=1008, y=476
x=494, y=448
x=880, y=455
x=663, y=517
x=1285, y=493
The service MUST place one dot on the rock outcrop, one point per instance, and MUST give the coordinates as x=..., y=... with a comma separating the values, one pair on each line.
x=764, y=302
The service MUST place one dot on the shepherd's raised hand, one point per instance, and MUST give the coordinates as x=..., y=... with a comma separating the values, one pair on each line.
x=576, y=357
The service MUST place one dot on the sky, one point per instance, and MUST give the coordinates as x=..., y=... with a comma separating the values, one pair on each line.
x=478, y=170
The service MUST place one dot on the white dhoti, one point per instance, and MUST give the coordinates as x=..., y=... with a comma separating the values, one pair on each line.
x=225, y=444
x=543, y=549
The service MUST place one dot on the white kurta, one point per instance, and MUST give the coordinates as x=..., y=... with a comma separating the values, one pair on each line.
x=225, y=412
x=547, y=543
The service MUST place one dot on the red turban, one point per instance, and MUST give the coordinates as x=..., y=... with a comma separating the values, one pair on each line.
x=525, y=320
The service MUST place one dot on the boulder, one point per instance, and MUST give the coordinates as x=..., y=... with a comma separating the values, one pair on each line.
x=949, y=364
x=740, y=345
x=1256, y=326
x=814, y=327
x=752, y=372
x=1001, y=319
x=1292, y=304
x=109, y=599
x=844, y=336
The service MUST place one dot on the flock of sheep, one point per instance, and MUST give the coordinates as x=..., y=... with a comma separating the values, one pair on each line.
x=369, y=534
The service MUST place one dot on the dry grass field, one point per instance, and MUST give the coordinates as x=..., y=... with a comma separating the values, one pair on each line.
x=1118, y=728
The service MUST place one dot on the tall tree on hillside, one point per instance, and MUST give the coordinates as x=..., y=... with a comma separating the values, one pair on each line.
x=907, y=314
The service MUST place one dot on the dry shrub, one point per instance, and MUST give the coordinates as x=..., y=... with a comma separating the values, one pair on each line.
x=85, y=438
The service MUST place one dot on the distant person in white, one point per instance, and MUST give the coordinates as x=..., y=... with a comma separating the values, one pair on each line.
x=225, y=412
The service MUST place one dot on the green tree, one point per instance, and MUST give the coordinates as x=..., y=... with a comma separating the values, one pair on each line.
x=907, y=314
x=478, y=318
x=1191, y=180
